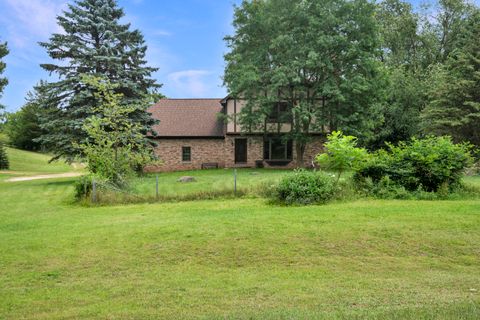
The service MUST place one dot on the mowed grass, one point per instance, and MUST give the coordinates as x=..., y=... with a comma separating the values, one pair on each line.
x=30, y=163
x=236, y=258
x=214, y=182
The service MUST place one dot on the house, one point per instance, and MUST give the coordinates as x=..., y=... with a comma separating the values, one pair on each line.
x=192, y=135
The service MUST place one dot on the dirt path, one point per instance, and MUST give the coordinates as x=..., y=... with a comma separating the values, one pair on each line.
x=46, y=176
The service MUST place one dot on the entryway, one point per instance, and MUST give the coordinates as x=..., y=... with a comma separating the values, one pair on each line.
x=240, y=151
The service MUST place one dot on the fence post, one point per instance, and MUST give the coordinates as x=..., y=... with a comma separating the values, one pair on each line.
x=156, y=188
x=235, y=182
x=94, y=191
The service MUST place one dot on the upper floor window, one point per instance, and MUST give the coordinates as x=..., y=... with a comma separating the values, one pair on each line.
x=186, y=154
x=281, y=113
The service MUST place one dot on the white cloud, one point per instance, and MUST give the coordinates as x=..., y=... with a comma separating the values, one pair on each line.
x=190, y=83
x=31, y=20
x=161, y=33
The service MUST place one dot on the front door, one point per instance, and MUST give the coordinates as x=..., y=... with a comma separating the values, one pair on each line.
x=240, y=150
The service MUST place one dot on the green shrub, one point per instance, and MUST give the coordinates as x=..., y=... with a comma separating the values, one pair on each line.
x=387, y=189
x=473, y=170
x=4, y=163
x=341, y=154
x=83, y=187
x=305, y=187
x=422, y=164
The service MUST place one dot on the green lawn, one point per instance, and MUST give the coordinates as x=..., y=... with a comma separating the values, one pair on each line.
x=216, y=181
x=235, y=259
x=30, y=163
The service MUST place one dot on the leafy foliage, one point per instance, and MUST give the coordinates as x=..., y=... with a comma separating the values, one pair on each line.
x=23, y=127
x=318, y=57
x=455, y=105
x=115, y=146
x=83, y=186
x=404, y=100
x=94, y=43
x=341, y=154
x=3, y=81
x=305, y=187
x=4, y=163
x=415, y=43
x=426, y=164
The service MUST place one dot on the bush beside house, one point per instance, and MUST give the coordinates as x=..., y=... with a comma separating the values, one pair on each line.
x=422, y=164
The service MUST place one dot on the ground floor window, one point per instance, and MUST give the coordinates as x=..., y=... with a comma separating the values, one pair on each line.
x=277, y=149
x=186, y=154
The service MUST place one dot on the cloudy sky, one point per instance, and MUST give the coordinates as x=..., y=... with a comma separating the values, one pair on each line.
x=184, y=40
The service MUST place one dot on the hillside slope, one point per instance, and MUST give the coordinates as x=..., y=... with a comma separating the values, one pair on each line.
x=30, y=163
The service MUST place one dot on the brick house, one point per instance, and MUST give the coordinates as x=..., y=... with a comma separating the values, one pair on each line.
x=191, y=135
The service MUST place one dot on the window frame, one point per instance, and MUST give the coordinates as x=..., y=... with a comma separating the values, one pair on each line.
x=280, y=113
x=184, y=153
x=288, y=149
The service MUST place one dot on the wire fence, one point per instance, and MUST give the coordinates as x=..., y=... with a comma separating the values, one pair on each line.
x=154, y=190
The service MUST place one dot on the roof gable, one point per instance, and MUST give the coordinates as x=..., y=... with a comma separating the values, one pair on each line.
x=188, y=118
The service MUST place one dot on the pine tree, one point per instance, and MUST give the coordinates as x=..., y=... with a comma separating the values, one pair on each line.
x=4, y=164
x=455, y=94
x=97, y=44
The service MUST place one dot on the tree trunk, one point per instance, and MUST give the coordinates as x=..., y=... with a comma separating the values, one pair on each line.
x=300, y=152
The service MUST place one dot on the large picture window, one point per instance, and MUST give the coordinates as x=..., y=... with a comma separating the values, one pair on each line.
x=277, y=149
x=186, y=154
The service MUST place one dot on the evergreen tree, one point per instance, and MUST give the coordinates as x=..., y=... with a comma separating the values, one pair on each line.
x=454, y=108
x=97, y=44
x=4, y=164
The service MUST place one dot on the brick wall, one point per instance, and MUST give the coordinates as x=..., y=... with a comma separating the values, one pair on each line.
x=221, y=151
x=169, y=151
x=254, y=150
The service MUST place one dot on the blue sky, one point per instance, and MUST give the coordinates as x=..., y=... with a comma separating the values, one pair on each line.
x=184, y=38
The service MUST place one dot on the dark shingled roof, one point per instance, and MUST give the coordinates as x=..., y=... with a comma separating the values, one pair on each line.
x=188, y=118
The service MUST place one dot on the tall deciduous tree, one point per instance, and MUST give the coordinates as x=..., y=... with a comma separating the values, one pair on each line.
x=320, y=57
x=95, y=43
x=448, y=25
x=3, y=80
x=408, y=49
x=23, y=127
x=4, y=164
x=114, y=146
x=454, y=108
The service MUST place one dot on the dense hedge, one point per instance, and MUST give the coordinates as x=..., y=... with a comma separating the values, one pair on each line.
x=426, y=164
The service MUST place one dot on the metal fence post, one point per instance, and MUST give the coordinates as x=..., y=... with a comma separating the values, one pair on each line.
x=94, y=191
x=156, y=187
x=235, y=182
